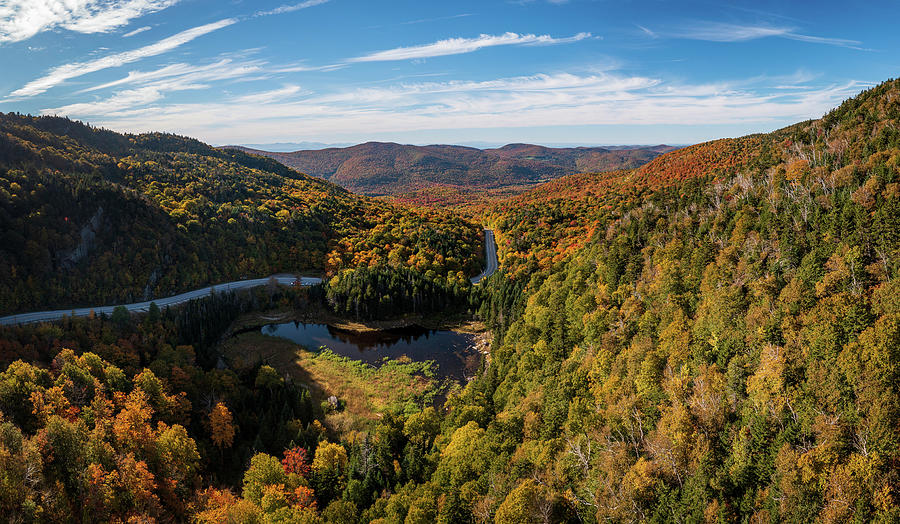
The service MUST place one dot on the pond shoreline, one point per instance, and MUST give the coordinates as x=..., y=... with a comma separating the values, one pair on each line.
x=457, y=324
x=480, y=337
x=368, y=393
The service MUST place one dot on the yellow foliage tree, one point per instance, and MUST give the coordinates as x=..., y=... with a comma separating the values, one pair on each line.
x=221, y=426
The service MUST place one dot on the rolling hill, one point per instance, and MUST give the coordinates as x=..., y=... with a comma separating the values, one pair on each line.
x=378, y=168
x=88, y=216
x=710, y=337
x=713, y=336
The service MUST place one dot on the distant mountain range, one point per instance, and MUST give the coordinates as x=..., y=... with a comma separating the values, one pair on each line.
x=293, y=146
x=383, y=168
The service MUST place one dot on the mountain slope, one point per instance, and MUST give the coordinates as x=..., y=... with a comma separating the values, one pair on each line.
x=714, y=336
x=94, y=217
x=377, y=168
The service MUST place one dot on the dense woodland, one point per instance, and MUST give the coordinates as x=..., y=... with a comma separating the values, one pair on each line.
x=714, y=336
x=723, y=347
x=93, y=217
x=384, y=292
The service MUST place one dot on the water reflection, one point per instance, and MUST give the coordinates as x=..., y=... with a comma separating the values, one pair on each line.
x=451, y=351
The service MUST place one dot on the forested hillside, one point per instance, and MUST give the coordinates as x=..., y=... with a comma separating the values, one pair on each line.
x=712, y=337
x=424, y=173
x=716, y=338
x=546, y=224
x=92, y=217
x=132, y=420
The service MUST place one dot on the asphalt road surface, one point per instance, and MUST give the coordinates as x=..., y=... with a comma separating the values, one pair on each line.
x=141, y=307
x=490, y=248
x=43, y=316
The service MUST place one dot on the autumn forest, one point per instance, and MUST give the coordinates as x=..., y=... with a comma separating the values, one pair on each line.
x=700, y=334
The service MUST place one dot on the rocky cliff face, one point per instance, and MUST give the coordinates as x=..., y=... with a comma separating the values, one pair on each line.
x=68, y=259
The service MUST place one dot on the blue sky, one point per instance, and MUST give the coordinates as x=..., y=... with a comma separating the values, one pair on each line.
x=551, y=72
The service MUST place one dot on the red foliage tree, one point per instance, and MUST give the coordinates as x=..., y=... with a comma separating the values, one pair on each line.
x=296, y=460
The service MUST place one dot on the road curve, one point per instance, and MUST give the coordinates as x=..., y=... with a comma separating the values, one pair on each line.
x=490, y=248
x=44, y=316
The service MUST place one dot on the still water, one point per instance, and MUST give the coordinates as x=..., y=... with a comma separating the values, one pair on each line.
x=453, y=352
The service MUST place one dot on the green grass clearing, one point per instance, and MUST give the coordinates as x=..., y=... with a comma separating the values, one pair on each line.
x=367, y=391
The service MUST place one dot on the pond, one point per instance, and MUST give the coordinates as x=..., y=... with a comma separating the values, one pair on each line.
x=453, y=352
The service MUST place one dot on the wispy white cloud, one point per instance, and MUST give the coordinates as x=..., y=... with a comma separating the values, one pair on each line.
x=840, y=42
x=716, y=32
x=303, y=68
x=137, y=31
x=724, y=32
x=455, y=46
x=268, y=97
x=223, y=69
x=60, y=74
x=145, y=87
x=422, y=20
x=22, y=19
x=647, y=32
x=119, y=101
x=289, y=8
x=797, y=80
x=517, y=102
x=438, y=19
x=560, y=83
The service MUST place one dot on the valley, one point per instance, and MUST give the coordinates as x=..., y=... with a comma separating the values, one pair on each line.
x=283, y=280
x=708, y=333
x=144, y=307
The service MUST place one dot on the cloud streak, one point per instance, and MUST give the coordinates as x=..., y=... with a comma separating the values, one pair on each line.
x=144, y=87
x=456, y=46
x=60, y=74
x=290, y=8
x=137, y=31
x=268, y=97
x=722, y=32
x=438, y=19
x=516, y=102
x=223, y=69
x=22, y=19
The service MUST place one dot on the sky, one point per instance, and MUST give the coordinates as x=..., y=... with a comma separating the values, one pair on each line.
x=574, y=72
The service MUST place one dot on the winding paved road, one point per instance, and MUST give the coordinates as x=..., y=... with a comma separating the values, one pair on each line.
x=490, y=248
x=43, y=316
x=140, y=307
